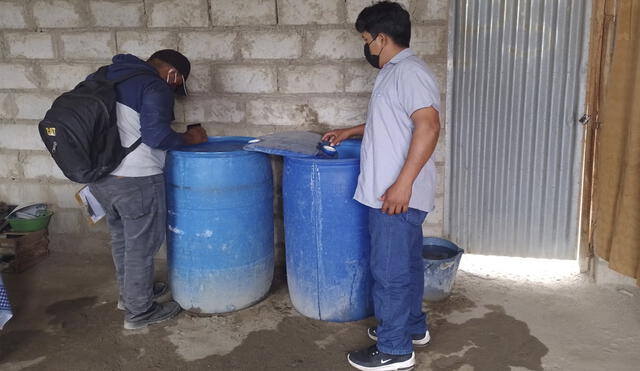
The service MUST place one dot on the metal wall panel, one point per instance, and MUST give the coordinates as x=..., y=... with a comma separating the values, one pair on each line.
x=516, y=93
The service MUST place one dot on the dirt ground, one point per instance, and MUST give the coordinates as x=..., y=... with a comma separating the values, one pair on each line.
x=65, y=319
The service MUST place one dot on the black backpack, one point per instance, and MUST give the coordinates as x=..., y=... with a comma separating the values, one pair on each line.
x=80, y=129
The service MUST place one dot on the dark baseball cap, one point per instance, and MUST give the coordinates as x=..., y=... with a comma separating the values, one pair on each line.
x=177, y=60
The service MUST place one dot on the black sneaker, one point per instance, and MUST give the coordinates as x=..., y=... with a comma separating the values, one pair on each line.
x=159, y=289
x=371, y=359
x=158, y=313
x=417, y=340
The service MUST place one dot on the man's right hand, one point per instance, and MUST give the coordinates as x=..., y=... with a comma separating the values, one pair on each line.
x=195, y=135
x=336, y=137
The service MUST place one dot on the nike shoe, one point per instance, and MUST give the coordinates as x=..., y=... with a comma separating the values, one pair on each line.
x=371, y=359
x=417, y=340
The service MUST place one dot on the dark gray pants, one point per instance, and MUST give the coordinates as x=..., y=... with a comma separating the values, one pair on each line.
x=136, y=213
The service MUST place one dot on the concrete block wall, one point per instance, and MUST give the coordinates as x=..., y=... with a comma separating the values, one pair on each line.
x=259, y=66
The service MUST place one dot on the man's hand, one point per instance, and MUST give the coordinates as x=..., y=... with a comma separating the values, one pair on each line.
x=335, y=137
x=396, y=199
x=195, y=135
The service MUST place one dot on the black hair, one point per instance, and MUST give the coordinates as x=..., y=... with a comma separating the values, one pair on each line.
x=173, y=58
x=157, y=62
x=386, y=17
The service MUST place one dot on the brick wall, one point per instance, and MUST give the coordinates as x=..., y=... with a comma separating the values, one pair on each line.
x=259, y=66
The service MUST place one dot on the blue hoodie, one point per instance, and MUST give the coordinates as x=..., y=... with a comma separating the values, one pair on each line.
x=145, y=109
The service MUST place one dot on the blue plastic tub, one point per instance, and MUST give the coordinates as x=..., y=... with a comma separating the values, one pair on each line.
x=441, y=259
x=326, y=237
x=220, y=225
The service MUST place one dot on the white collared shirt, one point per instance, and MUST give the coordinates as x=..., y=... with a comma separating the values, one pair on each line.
x=404, y=85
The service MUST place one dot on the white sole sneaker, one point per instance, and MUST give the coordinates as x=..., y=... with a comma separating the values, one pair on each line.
x=140, y=326
x=162, y=294
x=423, y=342
x=399, y=366
x=161, y=313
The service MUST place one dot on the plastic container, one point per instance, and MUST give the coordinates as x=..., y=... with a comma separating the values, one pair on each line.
x=326, y=237
x=441, y=259
x=219, y=225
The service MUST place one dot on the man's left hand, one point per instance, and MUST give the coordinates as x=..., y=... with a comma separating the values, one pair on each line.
x=396, y=199
x=195, y=135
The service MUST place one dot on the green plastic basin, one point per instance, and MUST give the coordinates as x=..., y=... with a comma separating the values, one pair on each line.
x=30, y=225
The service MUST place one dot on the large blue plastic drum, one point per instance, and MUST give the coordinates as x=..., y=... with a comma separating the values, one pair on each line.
x=219, y=225
x=326, y=237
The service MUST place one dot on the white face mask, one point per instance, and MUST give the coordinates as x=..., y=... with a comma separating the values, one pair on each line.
x=175, y=76
x=175, y=80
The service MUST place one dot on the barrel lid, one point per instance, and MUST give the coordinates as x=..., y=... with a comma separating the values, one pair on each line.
x=348, y=154
x=217, y=145
x=288, y=144
x=304, y=145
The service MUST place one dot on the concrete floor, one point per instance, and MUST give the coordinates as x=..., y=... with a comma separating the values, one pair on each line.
x=65, y=319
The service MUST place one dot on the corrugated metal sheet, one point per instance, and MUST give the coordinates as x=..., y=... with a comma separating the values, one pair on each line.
x=516, y=93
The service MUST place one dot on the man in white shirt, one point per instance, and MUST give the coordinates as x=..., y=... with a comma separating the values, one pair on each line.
x=397, y=182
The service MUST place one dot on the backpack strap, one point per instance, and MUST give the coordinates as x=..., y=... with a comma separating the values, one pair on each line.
x=133, y=147
x=101, y=74
x=133, y=74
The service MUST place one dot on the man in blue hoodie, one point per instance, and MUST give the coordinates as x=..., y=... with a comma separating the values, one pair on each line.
x=134, y=194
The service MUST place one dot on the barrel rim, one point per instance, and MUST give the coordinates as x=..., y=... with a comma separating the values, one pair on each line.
x=323, y=161
x=444, y=243
x=327, y=161
x=213, y=139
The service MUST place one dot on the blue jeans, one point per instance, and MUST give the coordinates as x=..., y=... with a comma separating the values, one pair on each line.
x=398, y=278
x=136, y=213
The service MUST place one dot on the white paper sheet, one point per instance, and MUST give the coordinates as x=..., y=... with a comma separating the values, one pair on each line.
x=93, y=208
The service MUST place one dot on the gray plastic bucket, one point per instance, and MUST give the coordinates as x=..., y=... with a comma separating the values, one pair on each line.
x=441, y=259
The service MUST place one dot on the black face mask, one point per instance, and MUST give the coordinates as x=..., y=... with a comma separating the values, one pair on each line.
x=373, y=60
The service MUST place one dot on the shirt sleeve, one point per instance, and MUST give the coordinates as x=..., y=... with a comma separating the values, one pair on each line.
x=417, y=89
x=156, y=114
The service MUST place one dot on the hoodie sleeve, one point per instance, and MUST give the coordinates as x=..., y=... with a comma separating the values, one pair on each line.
x=156, y=114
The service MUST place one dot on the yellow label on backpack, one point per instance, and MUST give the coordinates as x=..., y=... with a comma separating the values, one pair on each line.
x=51, y=132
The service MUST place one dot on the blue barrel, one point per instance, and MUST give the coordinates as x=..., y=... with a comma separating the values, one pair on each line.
x=219, y=225
x=326, y=237
x=441, y=259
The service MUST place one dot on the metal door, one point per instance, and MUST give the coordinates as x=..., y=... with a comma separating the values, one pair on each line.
x=516, y=85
